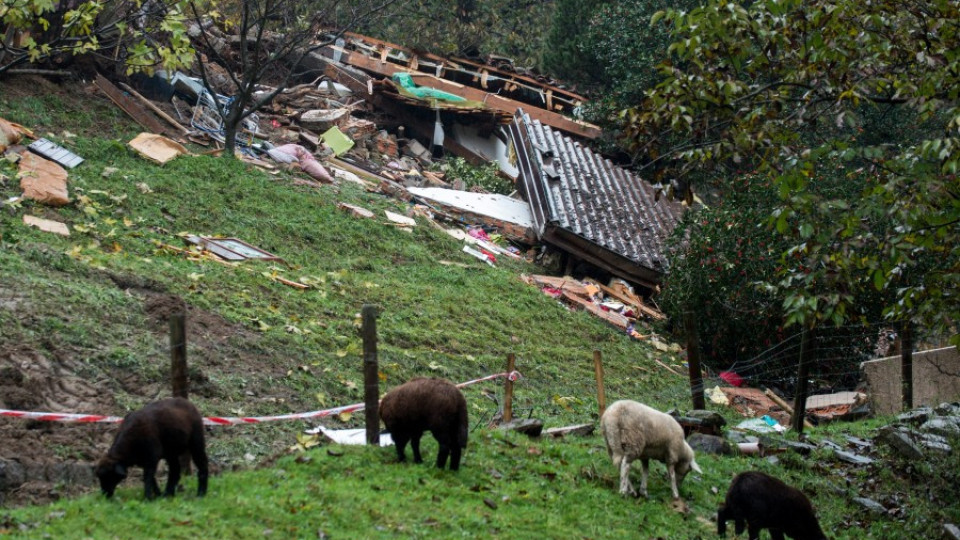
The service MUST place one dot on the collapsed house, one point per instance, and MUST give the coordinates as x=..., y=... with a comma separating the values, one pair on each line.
x=581, y=203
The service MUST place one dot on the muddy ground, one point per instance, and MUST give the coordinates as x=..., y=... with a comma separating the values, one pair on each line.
x=41, y=461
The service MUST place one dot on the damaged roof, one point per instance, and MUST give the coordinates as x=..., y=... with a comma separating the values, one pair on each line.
x=590, y=207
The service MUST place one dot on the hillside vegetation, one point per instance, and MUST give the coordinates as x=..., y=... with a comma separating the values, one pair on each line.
x=83, y=319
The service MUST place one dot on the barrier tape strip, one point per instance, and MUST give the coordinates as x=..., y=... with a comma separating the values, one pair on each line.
x=221, y=420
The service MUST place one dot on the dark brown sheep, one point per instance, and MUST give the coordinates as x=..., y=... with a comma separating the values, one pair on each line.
x=434, y=405
x=760, y=501
x=164, y=429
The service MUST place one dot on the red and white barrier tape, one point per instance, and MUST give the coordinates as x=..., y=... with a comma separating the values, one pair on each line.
x=220, y=420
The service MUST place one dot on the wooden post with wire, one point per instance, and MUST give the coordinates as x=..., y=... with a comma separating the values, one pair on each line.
x=807, y=345
x=598, y=369
x=508, y=389
x=179, y=382
x=371, y=381
x=906, y=364
x=693, y=360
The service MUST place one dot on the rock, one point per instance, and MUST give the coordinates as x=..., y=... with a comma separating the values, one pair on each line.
x=850, y=457
x=12, y=475
x=942, y=425
x=831, y=445
x=916, y=416
x=799, y=447
x=320, y=120
x=737, y=437
x=700, y=421
x=951, y=531
x=860, y=443
x=530, y=427
x=899, y=441
x=579, y=429
x=709, y=444
x=948, y=409
x=708, y=418
x=870, y=505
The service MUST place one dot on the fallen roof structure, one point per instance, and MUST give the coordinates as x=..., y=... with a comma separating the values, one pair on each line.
x=498, y=89
x=589, y=207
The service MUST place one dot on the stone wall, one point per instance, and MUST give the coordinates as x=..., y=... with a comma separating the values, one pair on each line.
x=936, y=379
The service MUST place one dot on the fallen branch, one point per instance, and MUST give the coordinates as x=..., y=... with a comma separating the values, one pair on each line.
x=783, y=405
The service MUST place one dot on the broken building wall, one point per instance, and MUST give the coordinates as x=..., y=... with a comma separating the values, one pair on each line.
x=936, y=379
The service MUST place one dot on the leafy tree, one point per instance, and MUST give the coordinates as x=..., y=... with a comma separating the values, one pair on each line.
x=799, y=88
x=564, y=49
x=143, y=36
x=273, y=39
x=723, y=254
x=511, y=28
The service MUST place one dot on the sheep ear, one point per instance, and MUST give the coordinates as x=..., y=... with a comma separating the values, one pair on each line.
x=695, y=467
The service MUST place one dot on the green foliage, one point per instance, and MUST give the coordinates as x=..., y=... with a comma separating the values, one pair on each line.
x=564, y=51
x=796, y=87
x=141, y=37
x=487, y=177
x=511, y=28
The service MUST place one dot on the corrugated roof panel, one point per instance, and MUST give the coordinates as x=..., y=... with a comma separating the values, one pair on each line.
x=602, y=212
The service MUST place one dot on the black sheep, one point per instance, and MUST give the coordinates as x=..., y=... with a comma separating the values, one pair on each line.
x=434, y=405
x=165, y=429
x=760, y=501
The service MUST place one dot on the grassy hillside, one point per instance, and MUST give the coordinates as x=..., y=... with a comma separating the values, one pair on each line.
x=83, y=320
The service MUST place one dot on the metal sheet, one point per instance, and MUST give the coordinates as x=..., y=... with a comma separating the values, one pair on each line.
x=55, y=152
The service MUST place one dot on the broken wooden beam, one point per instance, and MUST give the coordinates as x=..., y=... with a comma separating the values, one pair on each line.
x=129, y=106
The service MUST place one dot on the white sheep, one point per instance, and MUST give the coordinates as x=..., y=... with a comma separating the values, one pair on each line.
x=635, y=431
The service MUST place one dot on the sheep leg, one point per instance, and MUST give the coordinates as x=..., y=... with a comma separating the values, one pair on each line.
x=722, y=518
x=672, y=473
x=415, y=445
x=645, y=467
x=199, y=455
x=776, y=534
x=753, y=531
x=150, y=487
x=173, y=477
x=442, y=455
x=400, y=441
x=739, y=524
x=626, y=488
x=455, y=453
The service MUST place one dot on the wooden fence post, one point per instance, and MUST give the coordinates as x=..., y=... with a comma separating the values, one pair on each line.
x=371, y=381
x=178, y=355
x=807, y=346
x=906, y=364
x=508, y=389
x=693, y=360
x=598, y=370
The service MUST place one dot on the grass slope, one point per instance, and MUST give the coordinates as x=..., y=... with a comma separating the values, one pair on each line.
x=83, y=300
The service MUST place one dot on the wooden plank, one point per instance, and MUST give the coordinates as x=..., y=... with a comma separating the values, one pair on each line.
x=170, y=120
x=500, y=103
x=129, y=106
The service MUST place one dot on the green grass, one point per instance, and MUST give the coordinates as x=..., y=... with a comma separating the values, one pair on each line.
x=81, y=300
x=509, y=486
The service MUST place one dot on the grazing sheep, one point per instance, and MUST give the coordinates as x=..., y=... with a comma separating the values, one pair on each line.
x=433, y=405
x=762, y=502
x=635, y=431
x=164, y=429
